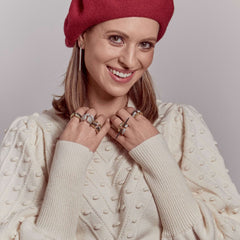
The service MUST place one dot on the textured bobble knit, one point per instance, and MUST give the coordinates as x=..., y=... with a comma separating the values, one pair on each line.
x=173, y=186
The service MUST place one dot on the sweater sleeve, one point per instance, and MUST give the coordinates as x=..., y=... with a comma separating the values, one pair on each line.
x=30, y=207
x=22, y=176
x=61, y=206
x=195, y=196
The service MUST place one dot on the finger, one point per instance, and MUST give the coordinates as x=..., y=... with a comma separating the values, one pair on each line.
x=131, y=110
x=116, y=121
x=116, y=126
x=105, y=128
x=91, y=112
x=124, y=114
x=81, y=111
x=99, y=119
x=114, y=134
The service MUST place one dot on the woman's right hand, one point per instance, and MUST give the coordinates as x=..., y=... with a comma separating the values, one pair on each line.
x=81, y=132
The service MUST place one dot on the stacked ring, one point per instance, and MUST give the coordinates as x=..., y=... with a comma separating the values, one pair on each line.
x=123, y=124
x=88, y=117
x=136, y=112
x=122, y=128
x=77, y=115
x=96, y=125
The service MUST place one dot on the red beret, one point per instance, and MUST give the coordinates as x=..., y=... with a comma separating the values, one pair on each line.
x=86, y=13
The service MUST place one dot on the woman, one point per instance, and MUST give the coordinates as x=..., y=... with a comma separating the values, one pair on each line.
x=109, y=161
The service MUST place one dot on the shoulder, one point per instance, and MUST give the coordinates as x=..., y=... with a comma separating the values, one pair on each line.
x=46, y=122
x=37, y=132
x=177, y=122
x=50, y=122
x=183, y=119
x=179, y=118
x=176, y=112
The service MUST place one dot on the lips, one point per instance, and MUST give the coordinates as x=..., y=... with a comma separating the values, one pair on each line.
x=119, y=75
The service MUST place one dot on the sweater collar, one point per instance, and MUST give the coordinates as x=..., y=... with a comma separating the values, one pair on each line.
x=131, y=103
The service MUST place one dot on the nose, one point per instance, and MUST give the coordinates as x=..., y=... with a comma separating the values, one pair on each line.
x=128, y=58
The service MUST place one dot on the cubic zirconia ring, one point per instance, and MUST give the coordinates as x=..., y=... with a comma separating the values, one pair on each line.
x=88, y=117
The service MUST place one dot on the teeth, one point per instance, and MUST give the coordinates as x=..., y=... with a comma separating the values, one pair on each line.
x=120, y=74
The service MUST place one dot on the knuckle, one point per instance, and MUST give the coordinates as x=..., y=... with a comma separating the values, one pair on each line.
x=130, y=109
x=92, y=110
x=80, y=109
x=113, y=118
x=119, y=111
x=101, y=116
x=85, y=108
x=72, y=122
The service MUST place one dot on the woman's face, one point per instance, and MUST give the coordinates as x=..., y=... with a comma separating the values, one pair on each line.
x=117, y=53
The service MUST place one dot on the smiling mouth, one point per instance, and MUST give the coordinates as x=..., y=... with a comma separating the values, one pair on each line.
x=120, y=74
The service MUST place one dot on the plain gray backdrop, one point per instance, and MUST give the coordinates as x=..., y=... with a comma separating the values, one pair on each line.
x=197, y=63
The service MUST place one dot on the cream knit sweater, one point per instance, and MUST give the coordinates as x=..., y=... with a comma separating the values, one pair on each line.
x=173, y=186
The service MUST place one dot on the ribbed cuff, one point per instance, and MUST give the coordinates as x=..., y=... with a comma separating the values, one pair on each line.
x=177, y=208
x=61, y=205
x=28, y=231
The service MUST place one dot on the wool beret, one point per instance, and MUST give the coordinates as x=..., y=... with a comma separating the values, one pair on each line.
x=87, y=13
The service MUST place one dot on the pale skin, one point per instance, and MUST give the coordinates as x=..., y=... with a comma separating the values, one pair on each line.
x=121, y=44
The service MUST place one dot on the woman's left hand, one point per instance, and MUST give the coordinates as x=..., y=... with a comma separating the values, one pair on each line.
x=139, y=128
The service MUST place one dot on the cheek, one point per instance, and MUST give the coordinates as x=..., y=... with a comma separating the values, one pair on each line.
x=147, y=59
x=98, y=54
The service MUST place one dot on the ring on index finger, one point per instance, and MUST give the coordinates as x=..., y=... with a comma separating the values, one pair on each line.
x=77, y=115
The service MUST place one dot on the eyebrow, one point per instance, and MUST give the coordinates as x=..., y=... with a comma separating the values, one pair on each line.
x=127, y=37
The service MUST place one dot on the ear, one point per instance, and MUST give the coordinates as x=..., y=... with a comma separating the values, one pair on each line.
x=81, y=41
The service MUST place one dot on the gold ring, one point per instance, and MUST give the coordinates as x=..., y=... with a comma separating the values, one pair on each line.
x=96, y=125
x=122, y=128
x=77, y=115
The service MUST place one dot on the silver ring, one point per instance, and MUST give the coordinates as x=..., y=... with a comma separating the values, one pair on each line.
x=123, y=124
x=136, y=112
x=88, y=117
x=123, y=130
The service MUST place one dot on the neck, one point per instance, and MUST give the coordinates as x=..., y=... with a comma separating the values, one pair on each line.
x=107, y=105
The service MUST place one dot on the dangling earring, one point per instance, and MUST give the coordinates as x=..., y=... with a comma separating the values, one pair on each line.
x=80, y=59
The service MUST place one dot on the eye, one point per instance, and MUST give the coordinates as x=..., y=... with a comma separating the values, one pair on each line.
x=146, y=45
x=116, y=39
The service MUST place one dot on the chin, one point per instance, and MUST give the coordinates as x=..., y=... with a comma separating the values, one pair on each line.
x=118, y=93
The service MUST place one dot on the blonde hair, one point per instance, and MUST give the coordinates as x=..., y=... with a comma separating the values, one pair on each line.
x=75, y=86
